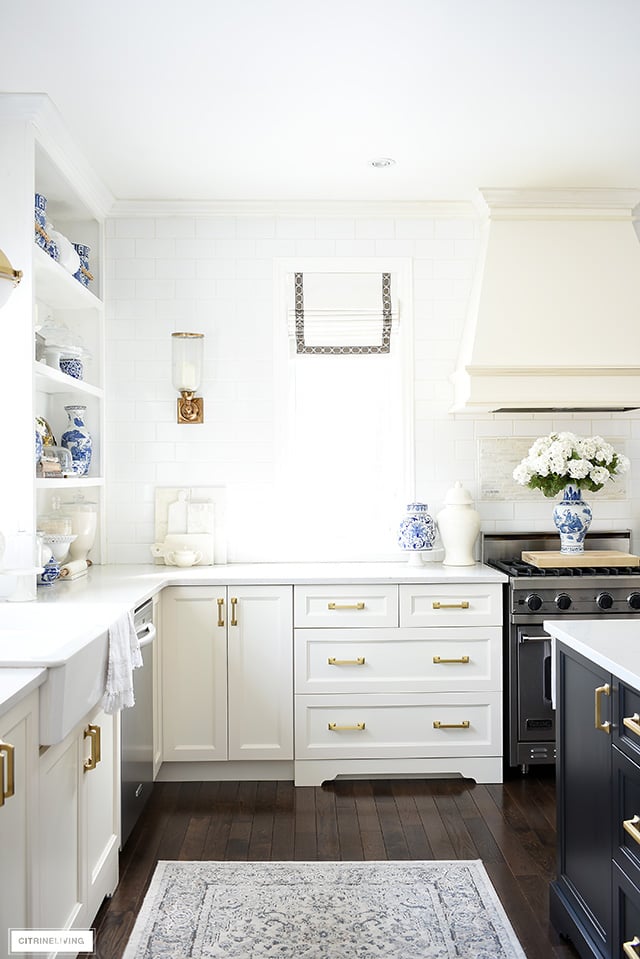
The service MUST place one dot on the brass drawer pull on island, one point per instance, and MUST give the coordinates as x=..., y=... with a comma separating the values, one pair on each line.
x=630, y=947
x=438, y=605
x=632, y=723
x=601, y=691
x=92, y=732
x=332, y=661
x=463, y=660
x=7, y=786
x=220, y=603
x=234, y=610
x=334, y=728
x=463, y=725
x=631, y=826
x=345, y=606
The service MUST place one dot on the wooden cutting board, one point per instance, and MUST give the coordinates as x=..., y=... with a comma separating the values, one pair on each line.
x=591, y=557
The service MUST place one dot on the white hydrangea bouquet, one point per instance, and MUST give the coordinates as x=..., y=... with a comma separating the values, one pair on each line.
x=563, y=459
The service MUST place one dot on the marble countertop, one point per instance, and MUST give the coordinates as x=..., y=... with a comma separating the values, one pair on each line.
x=613, y=644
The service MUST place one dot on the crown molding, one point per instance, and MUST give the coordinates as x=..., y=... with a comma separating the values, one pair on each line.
x=563, y=203
x=292, y=208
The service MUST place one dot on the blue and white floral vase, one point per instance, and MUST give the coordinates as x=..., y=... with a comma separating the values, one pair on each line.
x=417, y=532
x=77, y=439
x=572, y=518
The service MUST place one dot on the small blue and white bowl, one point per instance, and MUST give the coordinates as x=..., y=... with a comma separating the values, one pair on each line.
x=72, y=366
x=83, y=252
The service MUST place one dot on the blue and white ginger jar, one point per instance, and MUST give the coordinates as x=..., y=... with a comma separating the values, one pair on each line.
x=77, y=439
x=417, y=531
x=572, y=518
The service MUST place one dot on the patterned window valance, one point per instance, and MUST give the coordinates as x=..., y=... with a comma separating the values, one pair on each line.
x=342, y=313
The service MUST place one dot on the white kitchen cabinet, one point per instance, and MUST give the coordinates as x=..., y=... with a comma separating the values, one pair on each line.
x=227, y=688
x=414, y=687
x=78, y=823
x=37, y=156
x=18, y=782
x=157, y=686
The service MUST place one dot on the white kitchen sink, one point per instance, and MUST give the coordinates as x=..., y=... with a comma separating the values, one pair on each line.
x=71, y=641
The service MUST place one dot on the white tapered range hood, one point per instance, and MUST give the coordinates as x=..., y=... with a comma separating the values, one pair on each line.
x=554, y=318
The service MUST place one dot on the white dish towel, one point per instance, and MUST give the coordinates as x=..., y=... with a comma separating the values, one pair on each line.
x=124, y=657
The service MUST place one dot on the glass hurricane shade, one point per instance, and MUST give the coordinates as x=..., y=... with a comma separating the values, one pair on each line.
x=186, y=361
x=9, y=279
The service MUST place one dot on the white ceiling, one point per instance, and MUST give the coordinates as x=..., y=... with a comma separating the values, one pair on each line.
x=290, y=99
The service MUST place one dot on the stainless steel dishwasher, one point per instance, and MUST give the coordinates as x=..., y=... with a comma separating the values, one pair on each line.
x=136, y=728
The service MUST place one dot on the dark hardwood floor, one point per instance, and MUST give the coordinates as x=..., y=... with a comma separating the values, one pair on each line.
x=511, y=827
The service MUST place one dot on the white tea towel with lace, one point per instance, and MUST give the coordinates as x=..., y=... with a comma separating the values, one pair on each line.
x=124, y=657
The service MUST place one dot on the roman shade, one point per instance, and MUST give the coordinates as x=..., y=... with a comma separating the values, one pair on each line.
x=348, y=313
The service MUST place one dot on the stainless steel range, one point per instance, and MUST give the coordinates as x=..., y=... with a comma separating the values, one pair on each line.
x=533, y=595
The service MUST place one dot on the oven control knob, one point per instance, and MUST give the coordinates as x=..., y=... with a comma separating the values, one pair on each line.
x=563, y=601
x=604, y=600
x=633, y=599
x=533, y=602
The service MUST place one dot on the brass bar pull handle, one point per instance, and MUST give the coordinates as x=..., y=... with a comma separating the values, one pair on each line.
x=220, y=603
x=463, y=659
x=234, y=610
x=463, y=725
x=345, y=606
x=601, y=691
x=93, y=732
x=463, y=605
x=631, y=826
x=8, y=786
x=332, y=661
x=632, y=723
x=333, y=727
x=629, y=948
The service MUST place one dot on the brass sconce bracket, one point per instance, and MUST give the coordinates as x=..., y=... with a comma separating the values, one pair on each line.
x=190, y=408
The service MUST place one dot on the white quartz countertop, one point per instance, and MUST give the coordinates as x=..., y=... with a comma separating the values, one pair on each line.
x=17, y=683
x=68, y=615
x=612, y=644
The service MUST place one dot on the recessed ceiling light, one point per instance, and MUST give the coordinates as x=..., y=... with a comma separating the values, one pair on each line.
x=381, y=162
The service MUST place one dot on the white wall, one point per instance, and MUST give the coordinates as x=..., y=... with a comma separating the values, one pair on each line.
x=214, y=275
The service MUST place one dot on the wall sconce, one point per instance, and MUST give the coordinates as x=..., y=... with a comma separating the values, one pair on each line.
x=186, y=351
x=9, y=279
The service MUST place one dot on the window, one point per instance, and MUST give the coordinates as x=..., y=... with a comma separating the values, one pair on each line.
x=346, y=406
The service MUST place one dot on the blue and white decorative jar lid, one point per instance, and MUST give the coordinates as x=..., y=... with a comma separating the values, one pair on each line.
x=417, y=531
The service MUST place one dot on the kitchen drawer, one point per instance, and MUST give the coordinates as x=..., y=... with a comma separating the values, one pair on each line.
x=340, y=606
x=626, y=914
x=398, y=726
x=397, y=660
x=627, y=727
x=451, y=604
x=626, y=798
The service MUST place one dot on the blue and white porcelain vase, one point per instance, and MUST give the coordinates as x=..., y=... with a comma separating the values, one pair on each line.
x=40, y=220
x=417, y=531
x=77, y=439
x=50, y=573
x=83, y=274
x=572, y=518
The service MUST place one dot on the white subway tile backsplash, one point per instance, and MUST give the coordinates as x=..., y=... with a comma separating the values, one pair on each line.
x=134, y=228
x=173, y=226
x=215, y=275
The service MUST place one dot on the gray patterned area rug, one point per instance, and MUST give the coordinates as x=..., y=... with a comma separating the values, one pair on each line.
x=322, y=910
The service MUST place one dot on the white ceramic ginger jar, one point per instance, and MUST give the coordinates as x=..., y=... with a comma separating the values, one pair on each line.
x=459, y=525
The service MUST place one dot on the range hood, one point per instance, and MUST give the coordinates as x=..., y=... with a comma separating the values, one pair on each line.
x=554, y=318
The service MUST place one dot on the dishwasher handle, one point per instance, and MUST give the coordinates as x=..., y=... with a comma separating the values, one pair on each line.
x=146, y=635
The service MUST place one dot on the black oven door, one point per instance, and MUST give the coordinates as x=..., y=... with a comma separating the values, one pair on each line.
x=535, y=714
